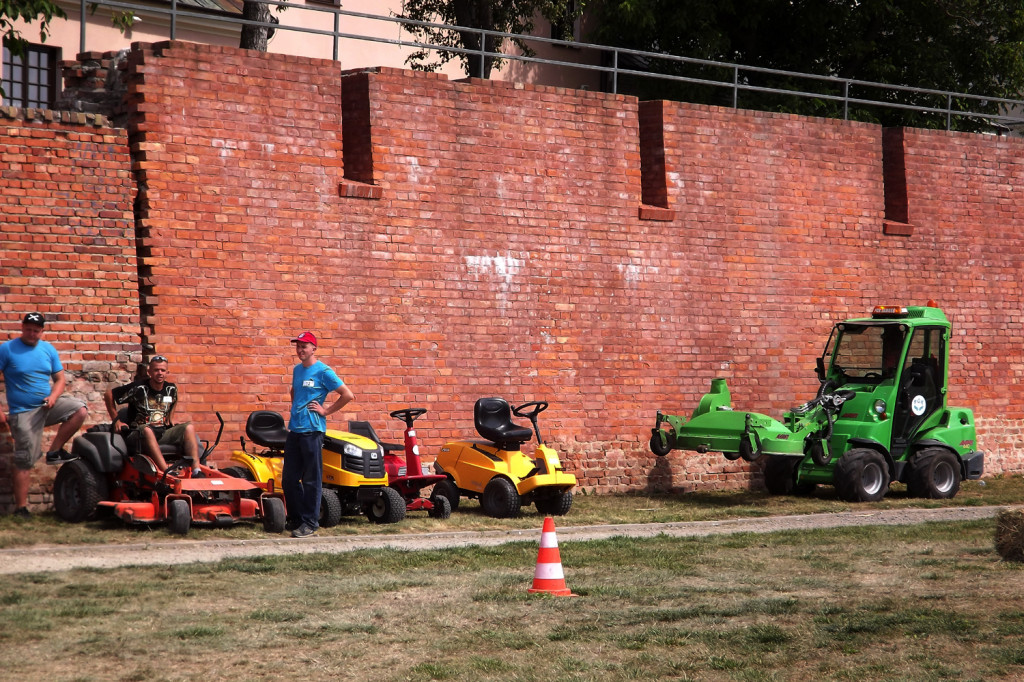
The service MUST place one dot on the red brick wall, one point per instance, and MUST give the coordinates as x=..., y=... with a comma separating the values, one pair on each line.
x=67, y=249
x=479, y=238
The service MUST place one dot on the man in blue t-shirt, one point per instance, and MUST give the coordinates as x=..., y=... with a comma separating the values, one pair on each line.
x=34, y=383
x=312, y=381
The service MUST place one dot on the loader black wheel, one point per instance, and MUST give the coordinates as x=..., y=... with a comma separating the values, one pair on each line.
x=442, y=508
x=179, y=517
x=273, y=515
x=661, y=442
x=935, y=474
x=500, y=498
x=330, y=508
x=862, y=475
x=448, y=489
x=780, y=475
x=77, y=490
x=388, y=508
x=731, y=456
x=555, y=505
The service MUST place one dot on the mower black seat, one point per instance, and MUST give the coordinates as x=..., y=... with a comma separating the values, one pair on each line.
x=266, y=429
x=493, y=418
x=366, y=430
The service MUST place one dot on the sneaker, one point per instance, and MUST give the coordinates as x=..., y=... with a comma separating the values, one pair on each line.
x=58, y=456
x=22, y=513
x=303, y=531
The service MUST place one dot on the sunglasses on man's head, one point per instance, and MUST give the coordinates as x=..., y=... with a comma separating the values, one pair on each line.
x=157, y=358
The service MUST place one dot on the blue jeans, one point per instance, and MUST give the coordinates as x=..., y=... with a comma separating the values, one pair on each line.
x=303, y=467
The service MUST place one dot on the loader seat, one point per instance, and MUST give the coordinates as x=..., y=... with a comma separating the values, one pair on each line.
x=266, y=428
x=493, y=418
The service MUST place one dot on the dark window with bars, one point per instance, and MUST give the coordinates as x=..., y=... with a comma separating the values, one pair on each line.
x=30, y=80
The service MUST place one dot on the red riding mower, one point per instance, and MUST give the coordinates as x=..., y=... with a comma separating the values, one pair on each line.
x=406, y=473
x=107, y=476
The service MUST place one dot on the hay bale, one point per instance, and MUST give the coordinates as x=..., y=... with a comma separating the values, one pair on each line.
x=1010, y=534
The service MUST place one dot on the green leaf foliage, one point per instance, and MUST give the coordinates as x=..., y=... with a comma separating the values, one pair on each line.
x=963, y=46
x=503, y=16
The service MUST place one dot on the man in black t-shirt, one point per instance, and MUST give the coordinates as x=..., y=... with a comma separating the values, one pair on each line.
x=151, y=403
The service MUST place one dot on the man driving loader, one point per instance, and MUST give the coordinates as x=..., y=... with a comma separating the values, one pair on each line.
x=151, y=402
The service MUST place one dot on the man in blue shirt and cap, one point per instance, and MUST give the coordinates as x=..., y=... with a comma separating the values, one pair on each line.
x=312, y=382
x=34, y=383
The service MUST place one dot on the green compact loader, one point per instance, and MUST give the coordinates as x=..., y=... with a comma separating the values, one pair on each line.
x=880, y=416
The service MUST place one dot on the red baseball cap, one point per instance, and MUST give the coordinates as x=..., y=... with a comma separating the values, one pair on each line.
x=305, y=337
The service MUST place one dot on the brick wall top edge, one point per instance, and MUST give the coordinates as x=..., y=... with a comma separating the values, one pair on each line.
x=44, y=116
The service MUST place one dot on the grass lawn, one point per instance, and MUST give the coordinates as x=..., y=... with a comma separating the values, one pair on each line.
x=921, y=602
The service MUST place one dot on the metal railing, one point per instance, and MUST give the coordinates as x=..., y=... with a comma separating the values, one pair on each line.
x=614, y=64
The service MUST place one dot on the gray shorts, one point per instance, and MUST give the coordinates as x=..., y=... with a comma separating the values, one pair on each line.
x=27, y=429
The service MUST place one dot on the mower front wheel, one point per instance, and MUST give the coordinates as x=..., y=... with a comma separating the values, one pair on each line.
x=77, y=490
x=388, y=508
x=448, y=489
x=273, y=515
x=179, y=517
x=441, y=509
x=934, y=474
x=330, y=508
x=862, y=475
x=500, y=498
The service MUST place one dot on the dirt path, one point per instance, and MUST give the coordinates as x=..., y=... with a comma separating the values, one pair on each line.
x=61, y=558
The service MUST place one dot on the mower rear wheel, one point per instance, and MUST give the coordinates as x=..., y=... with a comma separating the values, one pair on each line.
x=273, y=515
x=862, y=475
x=448, y=489
x=555, y=505
x=934, y=474
x=500, y=498
x=388, y=508
x=77, y=490
x=246, y=474
x=442, y=508
x=330, y=508
x=179, y=517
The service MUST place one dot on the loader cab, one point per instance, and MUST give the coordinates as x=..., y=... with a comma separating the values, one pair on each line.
x=898, y=355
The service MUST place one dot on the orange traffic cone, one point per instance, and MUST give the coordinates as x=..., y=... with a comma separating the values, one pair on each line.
x=548, y=577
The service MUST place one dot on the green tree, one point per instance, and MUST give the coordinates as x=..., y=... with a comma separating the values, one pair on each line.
x=503, y=16
x=29, y=11
x=966, y=46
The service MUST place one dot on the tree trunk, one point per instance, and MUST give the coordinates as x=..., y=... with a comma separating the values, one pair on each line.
x=255, y=37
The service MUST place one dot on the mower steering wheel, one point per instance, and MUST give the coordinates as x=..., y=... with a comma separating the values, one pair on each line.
x=537, y=405
x=409, y=414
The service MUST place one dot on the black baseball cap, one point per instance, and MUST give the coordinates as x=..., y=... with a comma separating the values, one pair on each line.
x=34, y=318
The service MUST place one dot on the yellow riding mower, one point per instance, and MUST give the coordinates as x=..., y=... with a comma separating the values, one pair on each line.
x=498, y=472
x=354, y=479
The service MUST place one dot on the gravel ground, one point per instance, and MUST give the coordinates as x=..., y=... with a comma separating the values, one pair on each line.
x=61, y=558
